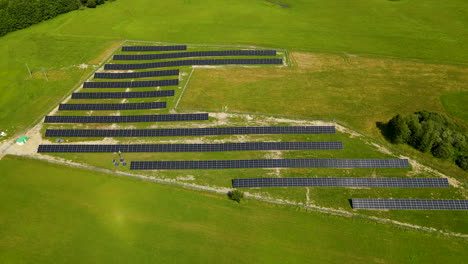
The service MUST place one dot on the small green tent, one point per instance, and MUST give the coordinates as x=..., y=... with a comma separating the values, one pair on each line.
x=22, y=140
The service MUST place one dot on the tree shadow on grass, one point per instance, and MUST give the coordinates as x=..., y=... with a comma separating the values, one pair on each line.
x=384, y=130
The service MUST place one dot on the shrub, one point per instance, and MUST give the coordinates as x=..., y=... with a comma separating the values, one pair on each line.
x=236, y=195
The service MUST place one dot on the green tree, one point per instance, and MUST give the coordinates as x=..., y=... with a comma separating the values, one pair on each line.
x=399, y=130
x=462, y=162
x=92, y=4
x=236, y=195
x=442, y=151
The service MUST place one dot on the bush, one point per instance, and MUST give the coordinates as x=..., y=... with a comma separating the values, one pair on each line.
x=236, y=195
x=92, y=4
x=462, y=162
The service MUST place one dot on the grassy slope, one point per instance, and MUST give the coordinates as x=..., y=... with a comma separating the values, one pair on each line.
x=365, y=26
x=455, y=104
x=58, y=214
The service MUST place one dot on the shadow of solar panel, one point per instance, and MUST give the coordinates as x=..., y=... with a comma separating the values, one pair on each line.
x=117, y=95
x=178, y=132
x=137, y=84
x=409, y=204
x=342, y=182
x=190, y=62
x=154, y=48
x=104, y=107
x=270, y=163
x=126, y=119
x=191, y=147
x=131, y=75
x=196, y=54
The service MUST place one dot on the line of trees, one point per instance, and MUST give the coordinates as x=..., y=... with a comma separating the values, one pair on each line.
x=431, y=132
x=19, y=14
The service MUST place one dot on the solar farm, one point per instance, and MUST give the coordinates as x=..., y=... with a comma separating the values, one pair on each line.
x=127, y=118
x=240, y=131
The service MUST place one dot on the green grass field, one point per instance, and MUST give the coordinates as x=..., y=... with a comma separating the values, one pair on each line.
x=64, y=215
x=405, y=29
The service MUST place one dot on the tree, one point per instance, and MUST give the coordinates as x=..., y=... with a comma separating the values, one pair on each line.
x=92, y=4
x=442, y=151
x=236, y=195
x=399, y=131
x=462, y=162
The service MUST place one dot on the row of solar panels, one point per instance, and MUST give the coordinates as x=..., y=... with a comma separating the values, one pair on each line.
x=190, y=62
x=270, y=163
x=130, y=84
x=117, y=95
x=131, y=75
x=409, y=204
x=126, y=119
x=341, y=182
x=154, y=48
x=179, y=132
x=190, y=147
x=197, y=54
x=108, y=107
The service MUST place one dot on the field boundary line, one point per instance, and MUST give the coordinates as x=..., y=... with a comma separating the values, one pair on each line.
x=183, y=89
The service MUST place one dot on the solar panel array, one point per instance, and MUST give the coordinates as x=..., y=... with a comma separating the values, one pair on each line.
x=102, y=107
x=341, y=182
x=190, y=62
x=154, y=48
x=191, y=147
x=270, y=163
x=409, y=204
x=117, y=95
x=197, y=54
x=177, y=132
x=126, y=119
x=130, y=84
x=131, y=75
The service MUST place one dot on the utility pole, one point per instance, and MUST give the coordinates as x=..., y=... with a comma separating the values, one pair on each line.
x=45, y=74
x=30, y=73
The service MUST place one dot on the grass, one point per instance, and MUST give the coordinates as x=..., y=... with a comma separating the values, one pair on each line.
x=58, y=214
x=455, y=104
x=386, y=28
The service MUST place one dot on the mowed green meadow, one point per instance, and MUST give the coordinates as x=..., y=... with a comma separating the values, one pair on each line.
x=429, y=30
x=57, y=214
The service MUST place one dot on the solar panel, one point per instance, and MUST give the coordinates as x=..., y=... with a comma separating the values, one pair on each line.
x=190, y=62
x=409, y=204
x=190, y=147
x=103, y=107
x=154, y=48
x=270, y=163
x=131, y=75
x=126, y=119
x=178, y=132
x=341, y=182
x=137, y=84
x=197, y=54
x=123, y=95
